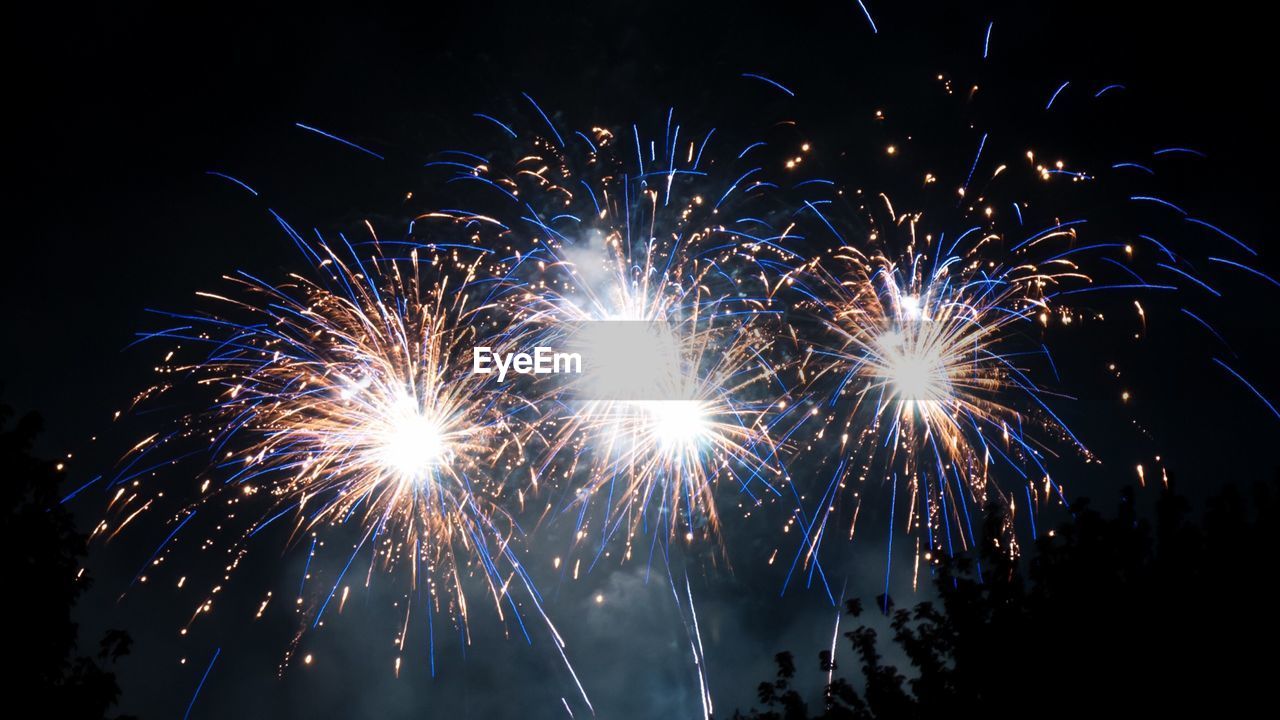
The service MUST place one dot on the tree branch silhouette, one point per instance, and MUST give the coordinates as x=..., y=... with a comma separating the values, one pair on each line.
x=40, y=536
x=1108, y=616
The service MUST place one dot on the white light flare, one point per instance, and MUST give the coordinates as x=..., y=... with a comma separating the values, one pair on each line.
x=678, y=425
x=915, y=369
x=412, y=443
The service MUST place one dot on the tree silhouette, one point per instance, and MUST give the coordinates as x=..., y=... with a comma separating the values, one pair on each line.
x=43, y=585
x=1109, y=616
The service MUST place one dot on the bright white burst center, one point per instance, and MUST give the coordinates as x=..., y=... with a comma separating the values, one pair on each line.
x=913, y=378
x=412, y=444
x=910, y=307
x=915, y=371
x=678, y=423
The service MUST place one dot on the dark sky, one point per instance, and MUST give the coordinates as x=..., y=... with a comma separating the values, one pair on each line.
x=123, y=109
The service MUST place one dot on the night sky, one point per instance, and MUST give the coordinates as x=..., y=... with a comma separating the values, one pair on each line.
x=122, y=112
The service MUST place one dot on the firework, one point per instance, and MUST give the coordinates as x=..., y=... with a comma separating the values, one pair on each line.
x=636, y=264
x=362, y=406
x=923, y=355
x=346, y=404
x=927, y=337
x=737, y=318
x=922, y=379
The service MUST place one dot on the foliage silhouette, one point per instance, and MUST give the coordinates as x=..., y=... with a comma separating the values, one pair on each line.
x=1109, y=616
x=39, y=536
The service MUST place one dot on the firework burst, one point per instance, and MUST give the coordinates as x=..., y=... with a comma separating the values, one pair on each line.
x=925, y=358
x=731, y=335
x=927, y=349
x=635, y=264
x=348, y=401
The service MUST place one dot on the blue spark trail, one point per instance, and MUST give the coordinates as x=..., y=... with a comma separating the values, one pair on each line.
x=348, y=143
x=204, y=677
